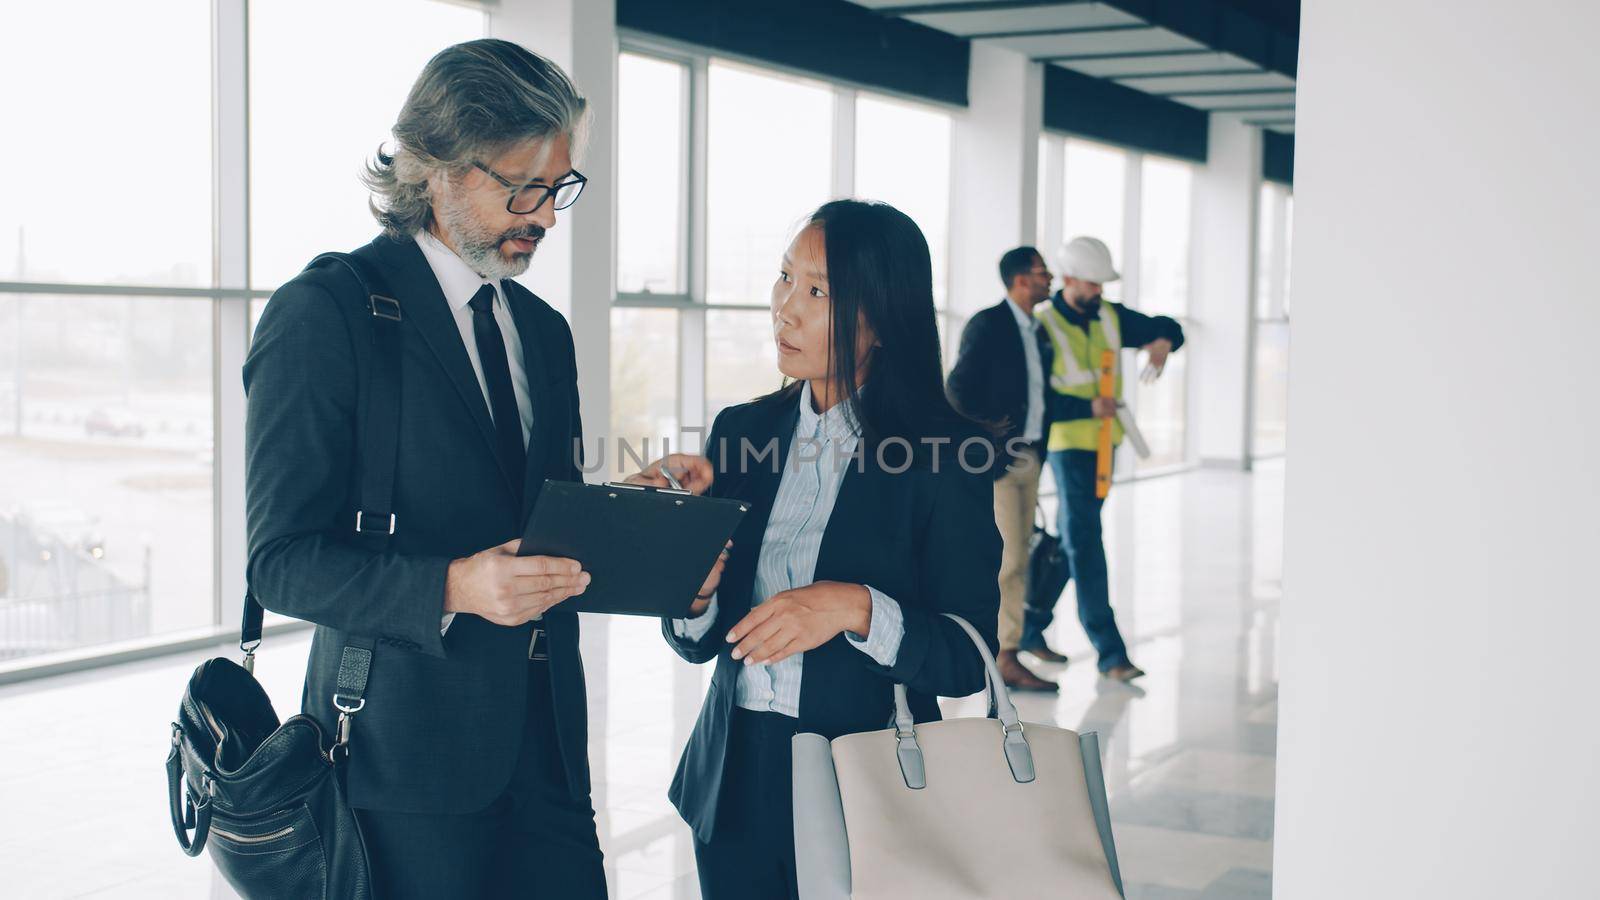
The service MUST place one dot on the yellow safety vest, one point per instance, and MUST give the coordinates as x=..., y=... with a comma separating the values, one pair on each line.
x=1076, y=371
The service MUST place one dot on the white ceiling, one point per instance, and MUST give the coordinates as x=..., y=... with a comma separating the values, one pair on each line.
x=1102, y=41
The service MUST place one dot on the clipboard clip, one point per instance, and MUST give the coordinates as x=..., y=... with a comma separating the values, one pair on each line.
x=645, y=488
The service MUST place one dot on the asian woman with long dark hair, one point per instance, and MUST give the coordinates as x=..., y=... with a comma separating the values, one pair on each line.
x=871, y=515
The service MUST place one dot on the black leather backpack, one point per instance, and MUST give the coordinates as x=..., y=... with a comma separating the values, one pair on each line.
x=269, y=798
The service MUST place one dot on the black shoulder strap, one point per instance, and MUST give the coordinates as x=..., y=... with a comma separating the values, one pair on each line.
x=379, y=419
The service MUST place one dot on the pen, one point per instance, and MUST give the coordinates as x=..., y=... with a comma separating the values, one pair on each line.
x=670, y=479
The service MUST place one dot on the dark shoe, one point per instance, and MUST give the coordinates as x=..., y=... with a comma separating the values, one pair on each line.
x=1018, y=678
x=1043, y=653
x=1124, y=673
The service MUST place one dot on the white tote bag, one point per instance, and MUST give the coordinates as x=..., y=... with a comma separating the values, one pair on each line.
x=959, y=808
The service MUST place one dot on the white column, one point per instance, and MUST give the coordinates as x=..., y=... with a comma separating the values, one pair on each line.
x=575, y=269
x=995, y=167
x=1222, y=324
x=1438, y=735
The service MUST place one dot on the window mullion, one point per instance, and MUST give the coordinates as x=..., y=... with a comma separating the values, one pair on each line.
x=231, y=315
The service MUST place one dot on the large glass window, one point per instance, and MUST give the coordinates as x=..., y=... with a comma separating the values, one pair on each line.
x=903, y=159
x=105, y=470
x=1274, y=234
x=769, y=164
x=1093, y=197
x=88, y=107
x=650, y=169
x=741, y=358
x=321, y=103
x=769, y=159
x=644, y=386
x=1164, y=224
x=1164, y=203
x=106, y=482
x=1271, y=405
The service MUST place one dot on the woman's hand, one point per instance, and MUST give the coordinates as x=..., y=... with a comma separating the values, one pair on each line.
x=693, y=472
x=702, y=600
x=799, y=620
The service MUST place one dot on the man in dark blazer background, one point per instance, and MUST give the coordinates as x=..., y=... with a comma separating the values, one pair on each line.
x=1000, y=377
x=468, y=762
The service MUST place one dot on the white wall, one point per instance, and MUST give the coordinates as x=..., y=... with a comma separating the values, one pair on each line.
x=1439, y=728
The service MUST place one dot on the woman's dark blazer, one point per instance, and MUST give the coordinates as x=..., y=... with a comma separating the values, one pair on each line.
x=926, y=539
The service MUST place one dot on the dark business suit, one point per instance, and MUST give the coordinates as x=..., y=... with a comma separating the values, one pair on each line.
x=925, y=539
x=989, y=382
x=451, y=723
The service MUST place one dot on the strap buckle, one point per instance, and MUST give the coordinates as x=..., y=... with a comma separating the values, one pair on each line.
x=539, y=645
x=377, y=530
x=347, y=713
x=384, y=307
x=249, y=648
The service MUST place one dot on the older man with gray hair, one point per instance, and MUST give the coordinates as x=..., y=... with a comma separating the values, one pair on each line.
x=392, y=522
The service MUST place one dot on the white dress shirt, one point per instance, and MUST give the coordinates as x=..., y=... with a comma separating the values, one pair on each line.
x=820, y=454
x=459, y=284
x=1033, y=428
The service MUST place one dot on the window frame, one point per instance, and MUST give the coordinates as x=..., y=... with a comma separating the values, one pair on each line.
x=693, y=208
x=230, y=296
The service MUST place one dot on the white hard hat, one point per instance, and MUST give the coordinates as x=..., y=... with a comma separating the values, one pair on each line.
x=1086, y=259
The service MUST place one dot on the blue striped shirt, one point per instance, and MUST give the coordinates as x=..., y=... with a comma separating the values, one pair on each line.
x=820, y=454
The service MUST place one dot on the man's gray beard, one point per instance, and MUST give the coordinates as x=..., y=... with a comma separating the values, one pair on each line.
x=478, y=246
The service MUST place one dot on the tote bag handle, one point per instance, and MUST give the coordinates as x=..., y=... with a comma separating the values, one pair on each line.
x=1014, y=739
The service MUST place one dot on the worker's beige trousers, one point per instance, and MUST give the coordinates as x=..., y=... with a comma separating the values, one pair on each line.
x=1015, y=496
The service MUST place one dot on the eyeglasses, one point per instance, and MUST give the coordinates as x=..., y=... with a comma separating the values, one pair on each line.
x=526, y=198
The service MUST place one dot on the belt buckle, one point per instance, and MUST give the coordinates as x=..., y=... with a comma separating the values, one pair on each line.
x=539, y=645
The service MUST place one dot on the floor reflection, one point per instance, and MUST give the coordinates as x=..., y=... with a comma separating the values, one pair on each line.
x=1190, y=750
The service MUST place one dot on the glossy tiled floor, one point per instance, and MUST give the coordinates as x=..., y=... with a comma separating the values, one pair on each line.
x=1189, y=754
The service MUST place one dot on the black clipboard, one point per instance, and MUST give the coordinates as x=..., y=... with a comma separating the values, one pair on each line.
x=647, y=550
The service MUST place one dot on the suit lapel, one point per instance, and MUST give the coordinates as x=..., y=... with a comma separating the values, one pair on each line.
x=425, y=306
x=855, y=503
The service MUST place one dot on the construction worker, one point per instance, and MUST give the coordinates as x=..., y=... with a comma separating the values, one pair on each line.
x=1081, y=325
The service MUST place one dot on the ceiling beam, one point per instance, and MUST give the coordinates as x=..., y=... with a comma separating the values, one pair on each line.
x=1059, y=32
x=1276, y=107
x=918, y=9
x=1235, y=92
x=1210, y=73
x=1139, y=54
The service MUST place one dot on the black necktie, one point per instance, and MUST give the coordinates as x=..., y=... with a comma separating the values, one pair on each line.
x=502, y=398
